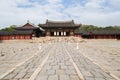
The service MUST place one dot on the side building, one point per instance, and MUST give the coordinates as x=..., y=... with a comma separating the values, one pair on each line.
x=5, y=35
x=36, y=31
x=102, y=34
x=99, y=34
x=27, y=31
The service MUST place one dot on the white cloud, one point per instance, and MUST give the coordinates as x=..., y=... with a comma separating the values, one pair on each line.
x=101, y=19
x=115, y=4
x=54, y=1
x=92, y=12
x=94, y=4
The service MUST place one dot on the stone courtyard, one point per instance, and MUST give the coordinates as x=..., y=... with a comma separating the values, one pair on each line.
x=60, y=58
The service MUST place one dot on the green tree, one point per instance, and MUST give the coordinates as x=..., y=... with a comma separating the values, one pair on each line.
x=90, y=28
x=11, y=28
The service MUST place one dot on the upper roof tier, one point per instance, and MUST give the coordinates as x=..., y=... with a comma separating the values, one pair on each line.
x=28, y=25
x=59, y=24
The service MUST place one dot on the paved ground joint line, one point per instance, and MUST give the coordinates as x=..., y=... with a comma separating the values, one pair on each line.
x=3, y=75
x=75, y=66
x=105, y=70
x=112, y=75
x=37, y=71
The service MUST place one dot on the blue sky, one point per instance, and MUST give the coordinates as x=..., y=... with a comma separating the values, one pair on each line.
x=93, y=12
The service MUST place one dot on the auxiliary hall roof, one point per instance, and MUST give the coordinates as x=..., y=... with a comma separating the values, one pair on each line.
x=16, y=32
x=103, y=32
x=28, y=26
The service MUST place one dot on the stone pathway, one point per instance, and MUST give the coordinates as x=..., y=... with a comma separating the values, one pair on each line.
x=89, y=70
x=58, y=66
x=26, y=70
x=58, y=61
x=14, y=54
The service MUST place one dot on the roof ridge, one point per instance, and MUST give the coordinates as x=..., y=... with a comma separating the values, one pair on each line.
x=68, y=21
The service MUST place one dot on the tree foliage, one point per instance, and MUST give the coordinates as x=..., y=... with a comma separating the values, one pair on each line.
x=90, y=28
x=10, y=29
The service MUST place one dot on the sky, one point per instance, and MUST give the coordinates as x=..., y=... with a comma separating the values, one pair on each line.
x=90, y=12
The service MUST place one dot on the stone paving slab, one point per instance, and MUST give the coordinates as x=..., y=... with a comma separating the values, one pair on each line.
x=58, y=67
x=66, y=62
x=14, y=54
x=26, y=70
x=103, y=52
x=87, y=67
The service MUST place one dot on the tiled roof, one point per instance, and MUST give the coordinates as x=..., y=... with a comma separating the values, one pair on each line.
x=60, y=24
x=103, y=32
x=15, y=32
x=26, y=28
x=29, y=26
x=106, y=32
